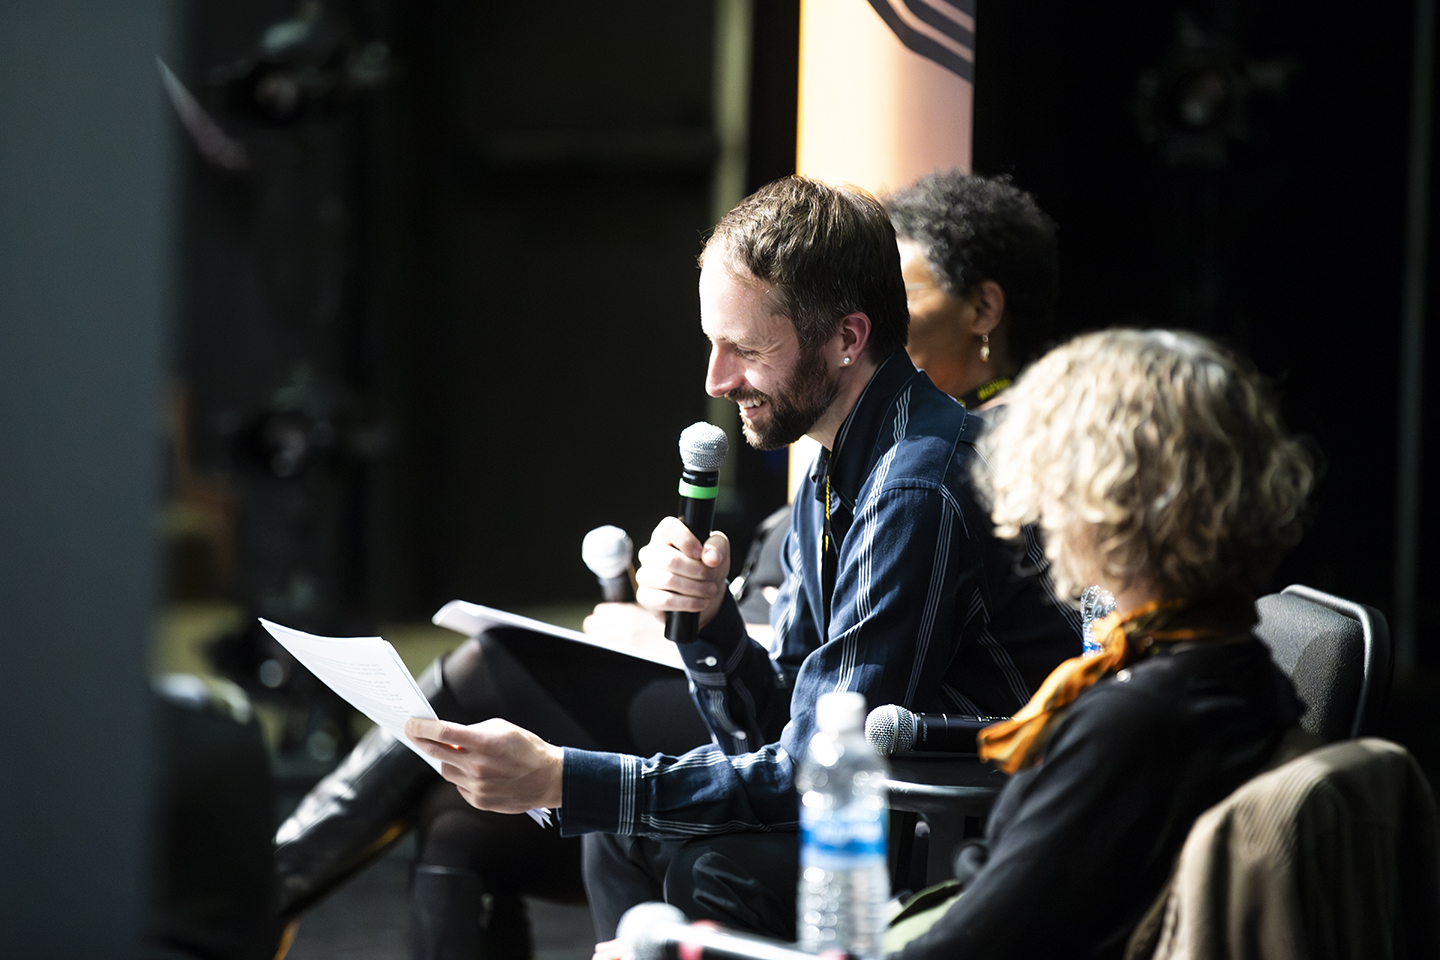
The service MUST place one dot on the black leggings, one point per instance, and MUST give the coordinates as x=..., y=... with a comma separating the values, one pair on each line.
x=569, y=694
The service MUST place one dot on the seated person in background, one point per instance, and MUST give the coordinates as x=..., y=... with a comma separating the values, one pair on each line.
x=981, y=268
x=1156, y=465
x=994, y=253
x=894, y=585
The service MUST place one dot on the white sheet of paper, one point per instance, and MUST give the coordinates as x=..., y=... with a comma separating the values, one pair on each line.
x=371, y=677
x=471, y=619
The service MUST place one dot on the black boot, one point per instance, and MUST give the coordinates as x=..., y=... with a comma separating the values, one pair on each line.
x=353, y=815
x=447, y=911
x=453, y=918
x=507, y=928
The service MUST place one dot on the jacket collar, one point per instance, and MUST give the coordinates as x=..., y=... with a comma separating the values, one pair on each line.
x=856, y=443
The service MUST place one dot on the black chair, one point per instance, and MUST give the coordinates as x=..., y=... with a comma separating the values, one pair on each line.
x=1336, y=651
x=944, y=792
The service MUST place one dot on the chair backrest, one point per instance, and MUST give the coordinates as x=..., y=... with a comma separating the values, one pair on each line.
x=1336, y=651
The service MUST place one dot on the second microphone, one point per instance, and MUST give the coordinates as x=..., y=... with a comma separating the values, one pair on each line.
x=894, y=730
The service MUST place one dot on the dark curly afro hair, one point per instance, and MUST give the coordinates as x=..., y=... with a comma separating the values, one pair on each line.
x=978, y=228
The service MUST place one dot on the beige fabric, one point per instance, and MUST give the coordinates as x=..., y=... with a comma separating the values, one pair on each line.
x=1332, y=855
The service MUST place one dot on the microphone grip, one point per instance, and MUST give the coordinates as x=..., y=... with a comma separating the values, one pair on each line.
x=946, y=733
x=698, y=514
x=619, y=589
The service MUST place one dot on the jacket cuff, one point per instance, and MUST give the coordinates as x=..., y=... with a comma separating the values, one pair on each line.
x=600, y=793
x=709, y=655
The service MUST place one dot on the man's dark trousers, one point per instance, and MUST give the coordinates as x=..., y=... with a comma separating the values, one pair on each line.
x=734, y=879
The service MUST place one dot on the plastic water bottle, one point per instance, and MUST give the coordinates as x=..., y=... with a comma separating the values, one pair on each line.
x=844, y=878
x=1096, y=603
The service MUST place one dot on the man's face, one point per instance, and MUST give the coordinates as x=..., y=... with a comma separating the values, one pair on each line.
x=757, y=361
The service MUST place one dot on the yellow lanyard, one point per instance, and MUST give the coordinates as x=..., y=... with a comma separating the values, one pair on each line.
x=825, y=533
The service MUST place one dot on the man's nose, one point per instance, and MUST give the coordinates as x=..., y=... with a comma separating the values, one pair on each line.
x=722, y=375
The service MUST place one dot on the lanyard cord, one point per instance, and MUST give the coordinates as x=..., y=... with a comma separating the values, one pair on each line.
x=828, y=562
x=983, y=392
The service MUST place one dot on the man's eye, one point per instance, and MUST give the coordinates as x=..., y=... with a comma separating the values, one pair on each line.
x=744, y=354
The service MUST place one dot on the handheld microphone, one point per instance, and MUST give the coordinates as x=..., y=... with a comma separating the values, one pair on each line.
x=702, y=449
x=658, y=931
x=892, y=730
x=607, y=551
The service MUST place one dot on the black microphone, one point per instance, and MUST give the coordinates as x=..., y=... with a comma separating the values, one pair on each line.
x=658, y=931
x=607, y=551
x=702, y=449
x=891, y=730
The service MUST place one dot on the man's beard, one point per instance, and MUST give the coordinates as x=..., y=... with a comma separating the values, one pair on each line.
x=801, y=401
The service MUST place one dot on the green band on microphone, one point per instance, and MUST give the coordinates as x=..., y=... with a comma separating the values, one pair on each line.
x=697, y=493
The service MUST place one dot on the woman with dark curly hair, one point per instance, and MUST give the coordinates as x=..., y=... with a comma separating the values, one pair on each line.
x=1156, y=465
x=981, y=270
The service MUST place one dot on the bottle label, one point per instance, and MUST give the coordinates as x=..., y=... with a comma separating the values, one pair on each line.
x=839, y=843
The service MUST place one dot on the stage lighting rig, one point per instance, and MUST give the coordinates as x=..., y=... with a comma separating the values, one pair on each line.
x=308, y=67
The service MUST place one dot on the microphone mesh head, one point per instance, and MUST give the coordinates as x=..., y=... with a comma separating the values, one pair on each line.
x=606, y=551
x=890, y=729
x=703, y=447
x=642, y=930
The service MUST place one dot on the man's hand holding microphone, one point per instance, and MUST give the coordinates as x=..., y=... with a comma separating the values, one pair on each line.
x=499, y=766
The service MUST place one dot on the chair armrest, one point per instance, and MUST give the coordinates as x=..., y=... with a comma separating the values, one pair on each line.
x=943, y=783
x=944, y=789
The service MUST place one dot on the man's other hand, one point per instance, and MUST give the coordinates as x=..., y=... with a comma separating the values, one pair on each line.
x=495, y=764
x=630, y=627
x=678, y=572
x=610, y=950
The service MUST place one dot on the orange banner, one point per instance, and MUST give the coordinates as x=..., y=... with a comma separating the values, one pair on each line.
x=885, y=89
x=886, y=96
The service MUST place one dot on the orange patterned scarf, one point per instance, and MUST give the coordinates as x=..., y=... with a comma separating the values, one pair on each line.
x=1020, y=741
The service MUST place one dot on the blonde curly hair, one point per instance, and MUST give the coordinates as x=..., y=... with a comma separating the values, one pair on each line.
x=1147, y=457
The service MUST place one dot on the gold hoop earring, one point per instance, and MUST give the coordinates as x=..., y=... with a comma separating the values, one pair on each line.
x=984, y=348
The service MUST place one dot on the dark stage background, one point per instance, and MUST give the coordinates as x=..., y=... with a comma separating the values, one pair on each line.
x=446, y=320
x=475, y=285
x=1277, y=227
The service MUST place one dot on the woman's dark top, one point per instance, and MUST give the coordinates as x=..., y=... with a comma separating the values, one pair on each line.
x=1080, y=845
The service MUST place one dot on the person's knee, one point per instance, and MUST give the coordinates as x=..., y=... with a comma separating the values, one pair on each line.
x=603, y=852
x=745, y=881
x=463, y=663
x=619, y=873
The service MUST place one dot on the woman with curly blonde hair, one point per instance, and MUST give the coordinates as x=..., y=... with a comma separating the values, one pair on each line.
x=1156, y=465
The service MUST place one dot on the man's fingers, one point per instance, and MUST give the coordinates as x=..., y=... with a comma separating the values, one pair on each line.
x=609, y=950
x=716, y=551
x=670, y=560
x=441, y=732
x=445, y=752
x=671, y=531
x=661, y=600
x=659, y=578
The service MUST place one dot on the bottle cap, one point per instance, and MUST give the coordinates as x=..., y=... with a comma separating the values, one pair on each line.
x=840, y=712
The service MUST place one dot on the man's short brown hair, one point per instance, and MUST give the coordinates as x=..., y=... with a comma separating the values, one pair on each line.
x=825, y=252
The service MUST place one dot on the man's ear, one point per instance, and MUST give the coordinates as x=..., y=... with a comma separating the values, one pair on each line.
x=853, y=335
x=989, y=302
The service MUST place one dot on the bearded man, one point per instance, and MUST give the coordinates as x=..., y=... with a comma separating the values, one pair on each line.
x=894, y=585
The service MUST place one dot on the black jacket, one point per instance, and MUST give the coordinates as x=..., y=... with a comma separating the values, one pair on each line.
x=1080, y=845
